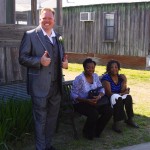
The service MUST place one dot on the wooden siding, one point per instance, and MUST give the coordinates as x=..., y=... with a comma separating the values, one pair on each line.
x=132, y=25
x=10, y=37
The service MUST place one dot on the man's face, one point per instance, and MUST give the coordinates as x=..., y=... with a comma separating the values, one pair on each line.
x=47, y=20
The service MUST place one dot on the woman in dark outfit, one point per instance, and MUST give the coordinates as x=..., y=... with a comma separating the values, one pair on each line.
x=115, y=85
x=97, y=116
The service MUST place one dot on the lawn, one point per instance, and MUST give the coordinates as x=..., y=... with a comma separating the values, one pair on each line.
x=139, y=83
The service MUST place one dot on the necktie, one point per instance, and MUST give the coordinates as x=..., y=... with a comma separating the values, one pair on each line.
x=54, y=40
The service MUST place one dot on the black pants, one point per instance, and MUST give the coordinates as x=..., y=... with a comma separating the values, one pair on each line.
x=123, y=109
x=97, y=117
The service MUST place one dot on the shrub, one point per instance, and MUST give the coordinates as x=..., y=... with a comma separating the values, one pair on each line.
x=15, y=120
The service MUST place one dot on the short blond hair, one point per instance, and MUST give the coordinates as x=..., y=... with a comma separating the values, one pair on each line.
x=47, y=9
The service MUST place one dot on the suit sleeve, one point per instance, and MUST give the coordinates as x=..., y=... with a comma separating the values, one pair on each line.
x=26, y=57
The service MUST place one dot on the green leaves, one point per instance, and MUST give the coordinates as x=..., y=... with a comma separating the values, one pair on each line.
x=15, y=120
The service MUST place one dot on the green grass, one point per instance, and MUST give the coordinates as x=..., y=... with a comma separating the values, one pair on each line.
x=15, y=121
x=139, y=83
x=140, y=75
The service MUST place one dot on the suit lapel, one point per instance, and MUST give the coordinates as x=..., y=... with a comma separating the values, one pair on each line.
x=42, y=40
x=41, y=37
x=59, y=46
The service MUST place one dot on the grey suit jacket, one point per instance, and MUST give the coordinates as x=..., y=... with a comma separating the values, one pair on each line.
x=32, y=48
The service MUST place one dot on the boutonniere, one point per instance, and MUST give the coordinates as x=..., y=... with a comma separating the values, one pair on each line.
x=61, y=40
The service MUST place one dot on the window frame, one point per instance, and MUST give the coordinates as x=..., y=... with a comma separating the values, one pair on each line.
x=114, y=27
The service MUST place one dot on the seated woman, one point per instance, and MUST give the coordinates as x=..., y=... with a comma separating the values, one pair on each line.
x=115, y=85
x=97, y=116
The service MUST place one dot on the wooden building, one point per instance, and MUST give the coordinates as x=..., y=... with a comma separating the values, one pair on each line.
x=109, y=31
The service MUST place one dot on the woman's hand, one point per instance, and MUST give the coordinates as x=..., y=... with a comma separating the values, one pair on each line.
x=127, y=91
x=95, y=99
x=92, y=101
x=99, y=96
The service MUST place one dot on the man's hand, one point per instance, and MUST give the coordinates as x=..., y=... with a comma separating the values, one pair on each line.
x=65, y=62
x=45, y=59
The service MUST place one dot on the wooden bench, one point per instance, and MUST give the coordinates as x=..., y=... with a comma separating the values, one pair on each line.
x=67, y=109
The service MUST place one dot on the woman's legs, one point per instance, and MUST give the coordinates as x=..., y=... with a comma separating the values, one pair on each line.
x=118, y=114
x=105, y=112
x=129, y=111
x=92, y=116
x=118, y=110
x=128, y=106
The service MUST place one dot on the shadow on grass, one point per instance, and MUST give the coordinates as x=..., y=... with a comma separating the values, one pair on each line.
x=63, y=140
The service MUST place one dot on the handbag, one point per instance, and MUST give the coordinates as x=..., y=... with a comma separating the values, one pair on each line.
x=94, y=92
x=104, y=100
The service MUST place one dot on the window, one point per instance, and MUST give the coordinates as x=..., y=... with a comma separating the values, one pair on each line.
x=110, y=27
x=21, y=18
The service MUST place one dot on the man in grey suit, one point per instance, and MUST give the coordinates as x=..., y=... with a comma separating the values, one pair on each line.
x=42, y=52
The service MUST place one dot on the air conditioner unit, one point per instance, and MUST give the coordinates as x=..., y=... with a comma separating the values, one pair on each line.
x=87, y=16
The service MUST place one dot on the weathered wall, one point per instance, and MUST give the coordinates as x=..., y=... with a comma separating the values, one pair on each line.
x=132, y=25
x=3, y=11
x=101, y=59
